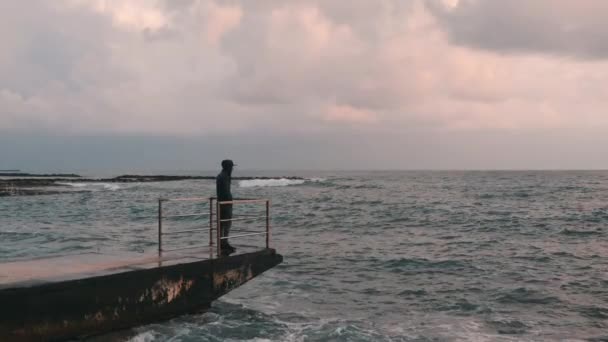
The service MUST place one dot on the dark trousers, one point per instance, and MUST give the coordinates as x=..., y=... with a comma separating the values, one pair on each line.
x=225, y=214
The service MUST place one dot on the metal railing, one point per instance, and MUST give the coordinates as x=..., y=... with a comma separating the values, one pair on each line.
x=214, y=224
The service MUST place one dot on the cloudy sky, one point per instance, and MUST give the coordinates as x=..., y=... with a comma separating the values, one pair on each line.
x=318, y=84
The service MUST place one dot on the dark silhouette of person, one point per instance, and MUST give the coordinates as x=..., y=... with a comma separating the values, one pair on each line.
x=223, y=194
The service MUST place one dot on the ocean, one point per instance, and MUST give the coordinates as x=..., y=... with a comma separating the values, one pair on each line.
x=369, y=256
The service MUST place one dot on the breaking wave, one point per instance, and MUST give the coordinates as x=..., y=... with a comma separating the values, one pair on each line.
x=93, y=186
x=143, y=337
x=250, y=183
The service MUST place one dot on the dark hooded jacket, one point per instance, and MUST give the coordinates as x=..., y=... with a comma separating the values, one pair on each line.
x=223, y=186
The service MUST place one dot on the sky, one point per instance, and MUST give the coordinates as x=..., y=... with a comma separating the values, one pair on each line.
x=318, y=84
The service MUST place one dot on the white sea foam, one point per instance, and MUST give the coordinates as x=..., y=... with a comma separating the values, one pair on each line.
x=93, y=186
x=76, y=185
x=143, y=337
x=110, y=186
x=250, y=183
x=269, y=182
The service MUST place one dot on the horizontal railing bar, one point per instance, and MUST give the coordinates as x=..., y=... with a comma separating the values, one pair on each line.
x=126, y=217
x=243, y=219
x=186, y=231
x=206, y=230
x=199, y=199
x=241, y=235
x=148, y=217
x=240, y=245
x=185, y=199
x=243, y=201
x=186, y=215
x=244, y=230
x=181, y=248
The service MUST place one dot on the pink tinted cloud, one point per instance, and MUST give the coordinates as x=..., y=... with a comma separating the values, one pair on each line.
x=394, y=66
x=349, y=114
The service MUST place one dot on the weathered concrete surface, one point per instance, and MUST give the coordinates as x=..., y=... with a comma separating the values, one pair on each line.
x=81, y=307
x=28, y=272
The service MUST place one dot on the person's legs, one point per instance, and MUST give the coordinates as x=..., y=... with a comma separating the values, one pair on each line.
x=226, y=214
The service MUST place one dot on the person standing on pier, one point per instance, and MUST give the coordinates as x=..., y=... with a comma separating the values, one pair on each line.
x=223, y=194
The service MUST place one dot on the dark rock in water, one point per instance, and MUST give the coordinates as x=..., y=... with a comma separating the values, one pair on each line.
x=29, y=187
x=29, y=192
x=51, y=175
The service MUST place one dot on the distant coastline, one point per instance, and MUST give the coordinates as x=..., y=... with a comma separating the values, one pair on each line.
x=9, y=173
x=24, y=184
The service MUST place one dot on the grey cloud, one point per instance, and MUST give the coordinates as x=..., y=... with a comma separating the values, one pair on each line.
x=279, y=72
x=53, y=47
x=164, y=33
x=177, y=5
x=379, y=76
x=561, y=27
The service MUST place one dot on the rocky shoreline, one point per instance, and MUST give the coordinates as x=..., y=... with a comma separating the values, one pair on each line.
x=44, y=175
x=32, y=184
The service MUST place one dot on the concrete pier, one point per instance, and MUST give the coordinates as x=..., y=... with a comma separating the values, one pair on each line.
x=83, y=295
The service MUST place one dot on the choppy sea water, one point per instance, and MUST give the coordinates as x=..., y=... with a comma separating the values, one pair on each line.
x=371, y=256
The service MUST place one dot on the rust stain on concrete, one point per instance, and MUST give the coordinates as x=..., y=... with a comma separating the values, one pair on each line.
x=97, y=317
x=232, y=278
x=166, y=291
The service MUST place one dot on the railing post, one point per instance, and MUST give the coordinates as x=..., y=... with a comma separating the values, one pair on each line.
x=267, y=223
x=160, y=226
x=210, y=221
x=218, y=228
